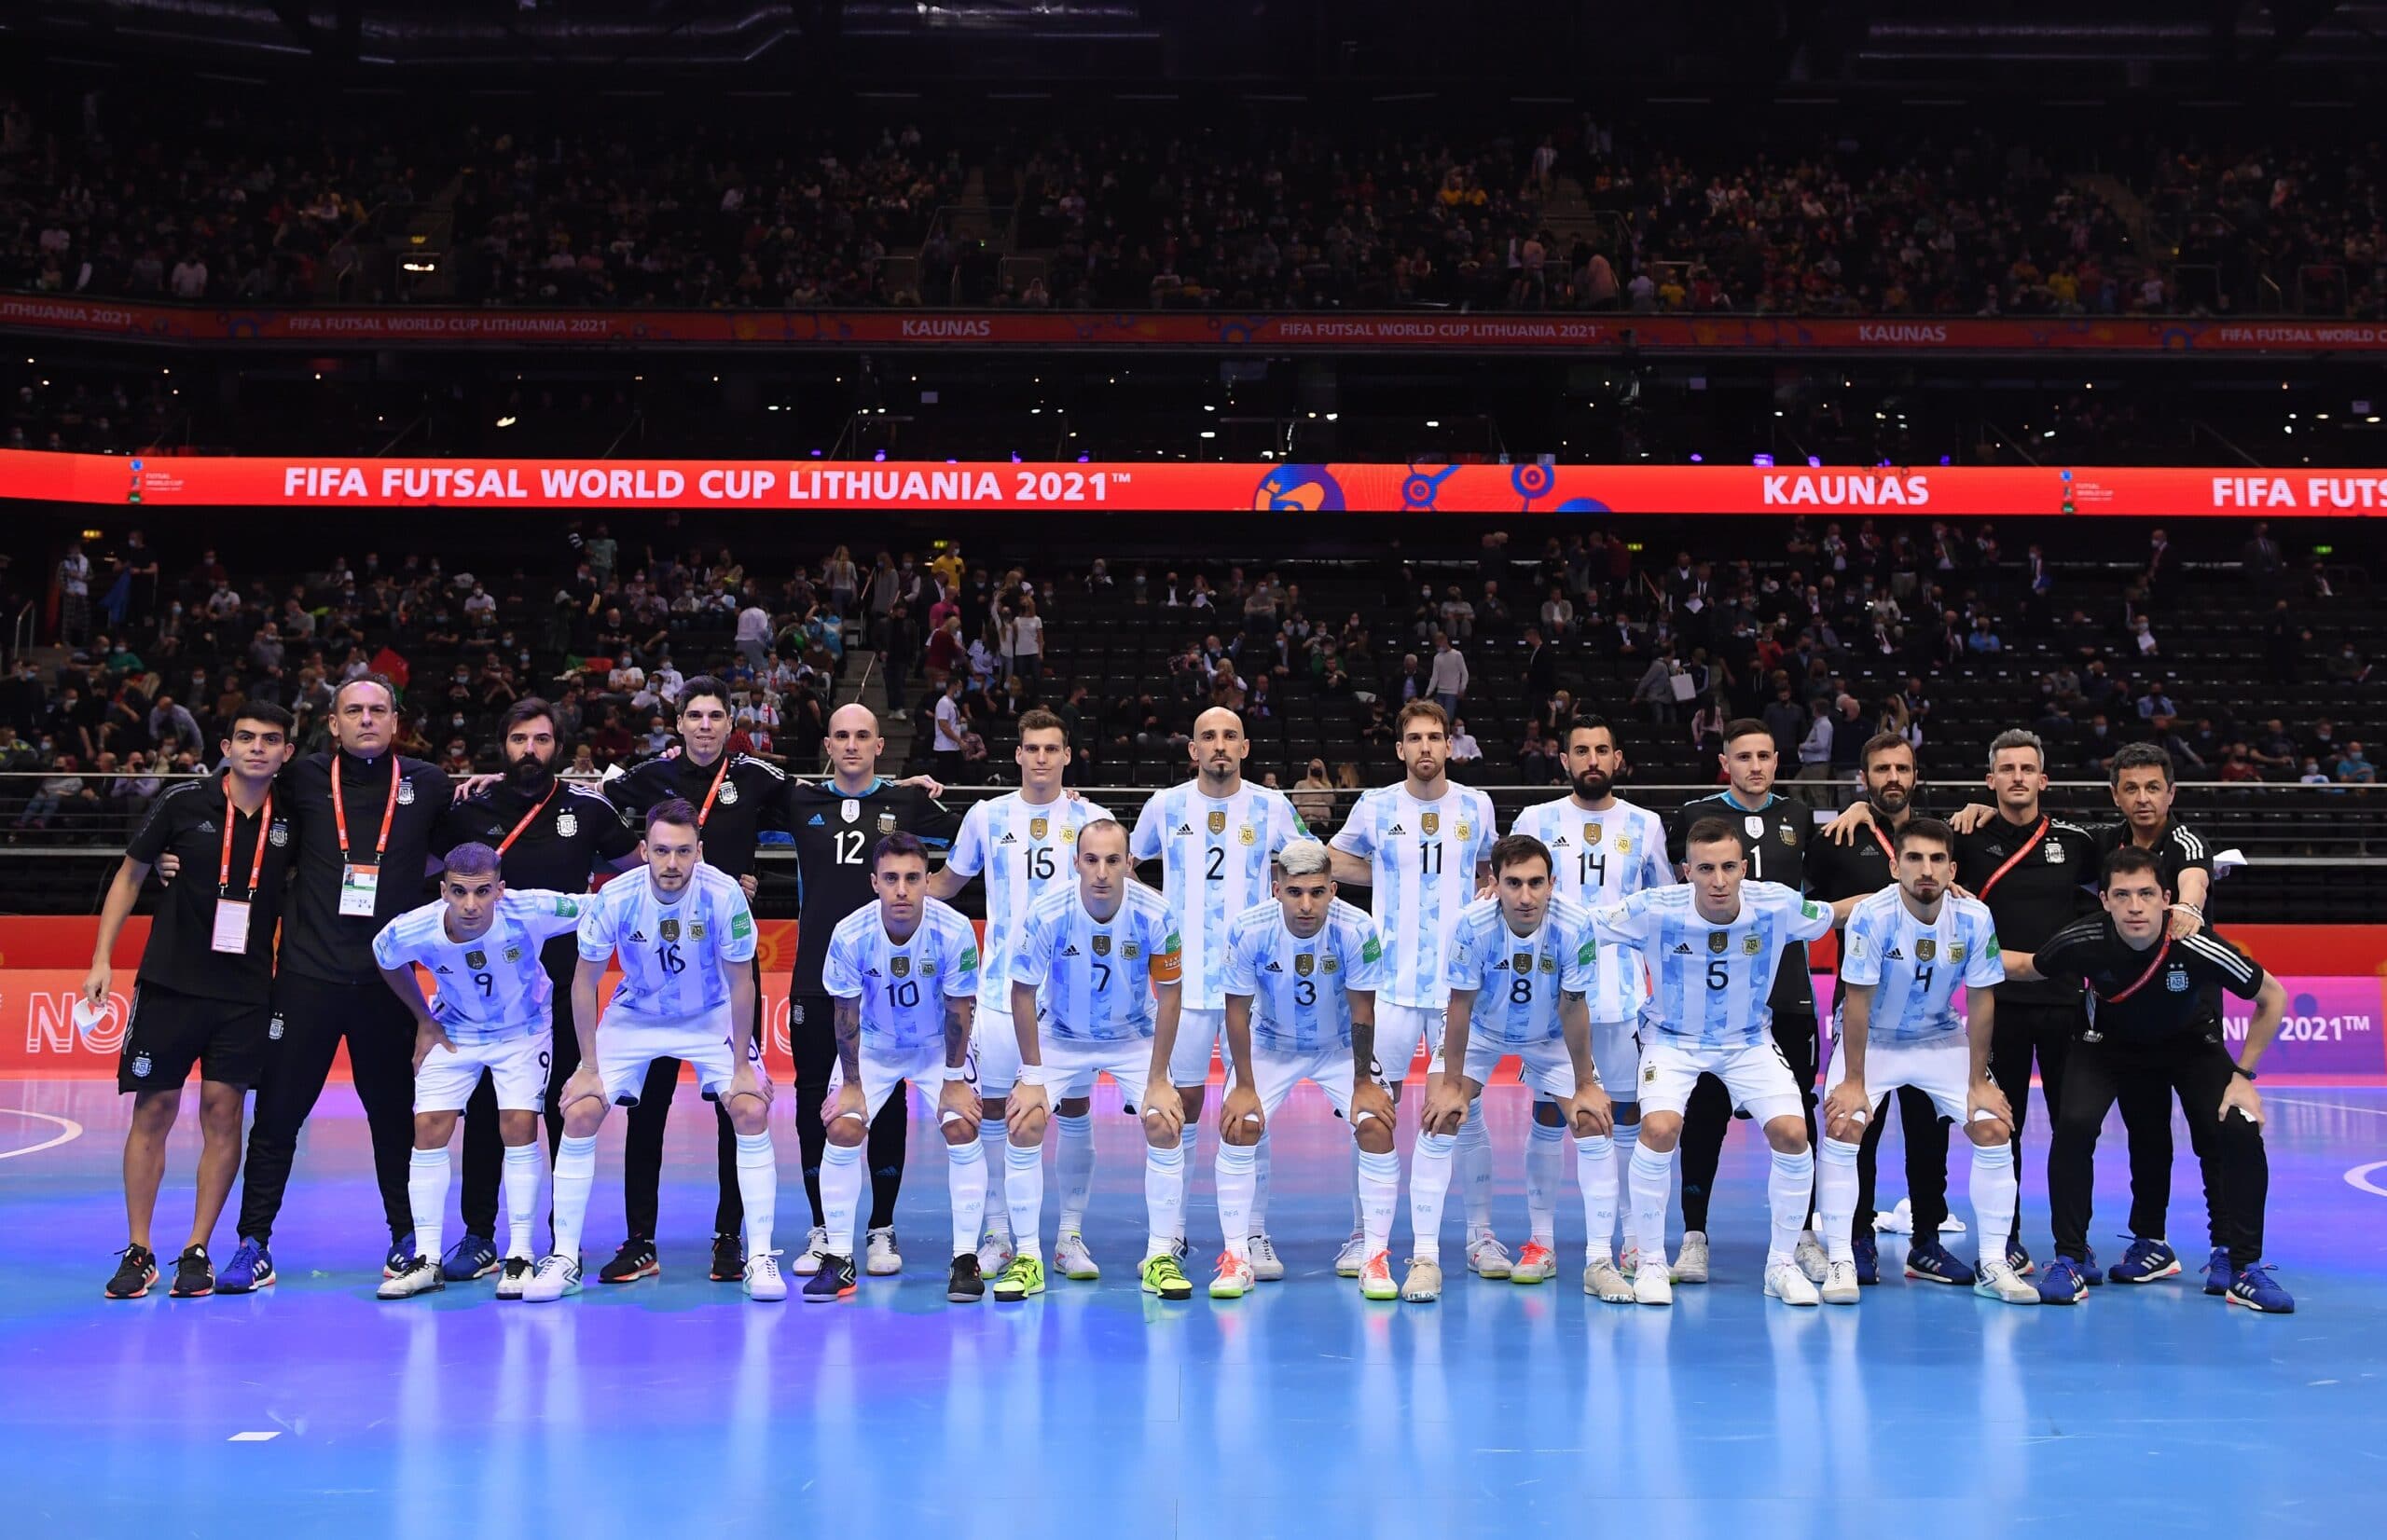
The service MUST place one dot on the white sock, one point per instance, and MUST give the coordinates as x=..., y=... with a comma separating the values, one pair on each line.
x=1474, y=1144
x=1836, y=1199
x=575, y=1173
x=992, y=1202
x=1787, y=1190
x=1995, y=1190
x=1024, y=1196
x=1379, y=1195
x=1261, y=1161
x=1652, y=1176
x=1164, y=1198
x=1595, y=1174
x=1429, y=1187
x=1545, y=1168
x=1358, y=1188
x=1627, y=1139
x=840, y=1193
x=966, y=1172
x=1189, y=1146
x=1238, y=1177
x=523, y=1168
x=758, y=1188
x=1073, y=1157
x=427, y=1196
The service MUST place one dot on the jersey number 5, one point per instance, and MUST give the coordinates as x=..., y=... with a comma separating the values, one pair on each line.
x=1719, y=974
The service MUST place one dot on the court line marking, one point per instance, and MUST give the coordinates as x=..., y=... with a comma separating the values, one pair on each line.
x=73, y=1131
x=254, y=1437
x=2360, y=1178
x=2330, y=1107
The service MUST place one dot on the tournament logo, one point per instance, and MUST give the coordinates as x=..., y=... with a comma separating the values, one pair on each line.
x=1926, y=949
x=1303, y=964
x=728, y=793
x=1102, y=946
x=1717, y=941
x=1430, y=824
x=1592, y=834
x=406, y=794
x=476, y=959
x=1036, y=828
x=849, y=810
x=279, y=835
x=1298, y=489
x=886, y=823
x=671, y=930
x=1521, y=962
x=1248, y=835
x=1218, y=823
x=1755, y=825
x=1750, y=945
x=141, y=1067
x=567, y=825
x=902, y=967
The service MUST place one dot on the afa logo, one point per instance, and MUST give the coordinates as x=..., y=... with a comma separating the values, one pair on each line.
x=1299, y=489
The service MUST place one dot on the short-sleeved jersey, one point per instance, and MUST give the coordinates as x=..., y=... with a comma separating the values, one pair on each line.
x=1094, y=978
x=834, y=835
x=1517, y=979
x=187, y=823
x=1424, y=855
x=492, y=988
x=1301, y=990
x=2175, y=996
x=1711, y=980
x=1601, y=858
x=562, y=833
x=673, y=955
x=735, y=797
x=1915, y=965
x=1774, y=839
x=1214, y=857
x=2035, y=878
x=1025, y=849
x=318, y=942
x=902, y=985
x=2176, y=849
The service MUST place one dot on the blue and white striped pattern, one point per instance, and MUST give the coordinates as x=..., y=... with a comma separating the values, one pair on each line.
x=1214, y=857
x=492, y=988
x=1711, y=981
x=1300, y=990
x=1093, y=977
x=1600, y=859
x=902, y=985
x=1914, y=967
x=1517, y=979
x=672, y=955
x=1424, y=855
x=1026, y=849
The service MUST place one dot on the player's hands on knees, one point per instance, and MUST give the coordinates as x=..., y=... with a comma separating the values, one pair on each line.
x=1163, y=1109
x=1240, y=1111
x=746, y=1081
x=957, y=1107
x=847, y=1103
x=427, y=1036
x=1591, y=1112
x=584, y=1084
x=1368, y=1098
x=1025, y=1113
x=1846, y=1111
x=1445, y=1106
x=2242, y=1097
x=1987, y=1098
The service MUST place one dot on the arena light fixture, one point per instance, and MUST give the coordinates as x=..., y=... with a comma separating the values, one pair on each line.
x=505, y=422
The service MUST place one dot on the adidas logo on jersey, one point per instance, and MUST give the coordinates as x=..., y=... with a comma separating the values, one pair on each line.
x=1185, y=829
x=1682, y=949
x=441, y=968
x=1396, y=829
x=637, y=935
x=207, y=828
x=815, y=822
x=1897, y=956
x=1008, y=839
x=1275, y=968
x=1070, y=950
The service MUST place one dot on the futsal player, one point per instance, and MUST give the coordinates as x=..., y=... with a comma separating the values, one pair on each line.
x=1521, y=965
x=1094, y=991
x=1713, y=946
x=483, y=945
x=685, y=940
x=1906, y=950
x=204, y=991
x=905, y=974
x=1025, y=844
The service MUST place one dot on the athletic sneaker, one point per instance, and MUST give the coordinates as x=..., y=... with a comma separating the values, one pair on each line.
x=473, y=1257
x=420, y=1276
x=2258, y=1290
x=2145, y=1262
x=1602, y=1280
x=513, y=1273
x=134, y=1274
x=556, y=1276
x=1814, y=1261
x=194, y=1275
x=763, y=1284
x=1236, y=1277
x=1787, y=1283
x=2218, y=1273
x=1839, y=1286
x=995, y=1252
x=1936, y=1264
x=1424, y=1284
x=1691, y=1262
x=965, y=1285
x=1163, y=1277
x=2062, y=1283
x=2091, y=1273
x=728, y=1259
x=833, y=1279
x=1629, y=1262
x=250, y=1268
x=1353, y=1258
x=1535, y=1264
x=807, y=1261
x=635, y=1260
x=881, y=1259
x=1486, y=1257
x=1266, y=1266
x=1376, y=1278
x=1022, y=1277
x=2000, y=1282
x=1072, y=1260
x=1654, y=1284
x=2018, y=1256
x=400, y=1255
x=1869, y=1258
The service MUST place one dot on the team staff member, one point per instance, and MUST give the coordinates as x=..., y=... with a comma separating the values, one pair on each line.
x=366, y=819
x=550, y=836
x=205, y=990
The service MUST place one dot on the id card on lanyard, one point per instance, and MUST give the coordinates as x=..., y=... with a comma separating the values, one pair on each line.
x=360, y=882
x=231, y=929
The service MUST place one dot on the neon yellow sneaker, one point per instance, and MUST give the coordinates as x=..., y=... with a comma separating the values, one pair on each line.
x=1165, y=1277
x=1022, y=1277
x=1236, y=1277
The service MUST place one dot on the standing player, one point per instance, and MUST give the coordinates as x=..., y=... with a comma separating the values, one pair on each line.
x=685, y=940
x=204, y=991
x=1907, y=949
x=1520, y=964
x=1713, y=948
x=1214, y=837
x=1301, y=971
x=1026, y=844
x=1603, y=849
x=905, y=972
x=483, y=944
x=1423, y=849
x=1094, y=992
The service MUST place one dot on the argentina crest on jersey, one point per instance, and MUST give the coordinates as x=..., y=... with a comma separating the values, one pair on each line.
x=567, y=825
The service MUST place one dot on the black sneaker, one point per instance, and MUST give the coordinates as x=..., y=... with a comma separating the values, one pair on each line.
x=967, y=1286
x=134, y=1274
x=728, y=1259
x=194, y=1275
x=835, y=1280
x=635, y=1260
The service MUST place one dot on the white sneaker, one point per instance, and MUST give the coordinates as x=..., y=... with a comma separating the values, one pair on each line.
x=1812, y=1259
x=418, y=1276
x=1423, y=1285
x=995, y=1252
x=1266, y=1265
x=1486, y=1257
x=1840, y=1284
x=1352, y=1257
x=1784, y=1282
x=1072, y=1260
x=1691, y=1262
x=1653, y=1285
x=1629, y=1264
x=556, y=1276
x=880, y=1258
x=514, y=1273
x=763, y=1280
x=1602, y=1280
x=1997, y=1279
x=807, y=1261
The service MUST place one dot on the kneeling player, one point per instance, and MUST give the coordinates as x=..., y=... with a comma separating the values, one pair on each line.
x=1520, y=964
x=904, y=972
x=684, y=939
x=1300, y=1005
x=494, y=1012
x=1909, y=946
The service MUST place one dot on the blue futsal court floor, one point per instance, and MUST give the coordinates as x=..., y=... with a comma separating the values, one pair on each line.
x=674, y=1407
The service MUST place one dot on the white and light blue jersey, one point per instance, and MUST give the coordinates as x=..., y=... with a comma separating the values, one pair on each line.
x=1709, y=980
x=902, y=985
x=1025, y=848
x=1601, y=858
x=1915, y=965
x=1094, y=978
x=492, y=988
x=675, y=957
x=1517, y=979
x=1214, y=856
x=1424, y=855
x=1301, y=990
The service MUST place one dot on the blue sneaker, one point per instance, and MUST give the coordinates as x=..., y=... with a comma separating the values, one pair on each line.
x=401, y=1256
x=473, y=1257
x=2258, y=1290
x=250, y=1268
x=2018, y=1256
x=2091, y=1273
x=2145, y=1262
x=2218, y=1273
x=2064, y=1283
x=1869, y=1260
x=1936, y=1264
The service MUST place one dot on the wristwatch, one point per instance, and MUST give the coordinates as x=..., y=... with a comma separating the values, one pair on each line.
x=2242, y=1069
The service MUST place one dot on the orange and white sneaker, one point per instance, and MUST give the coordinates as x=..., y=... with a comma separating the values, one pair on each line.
x=1376, y=1278
x=1535, y=1264
x=1236, y=1278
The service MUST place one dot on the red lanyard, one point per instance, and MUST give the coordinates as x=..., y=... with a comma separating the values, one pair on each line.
x=388, y=813
x=256, y=862
x=706, y=811
x=1888, y=849
x=506, y=843
x=2152, y=968
x=2038, y=837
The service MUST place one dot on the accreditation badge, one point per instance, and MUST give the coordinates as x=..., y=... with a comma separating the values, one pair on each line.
x=359, y=887
x=231, y=931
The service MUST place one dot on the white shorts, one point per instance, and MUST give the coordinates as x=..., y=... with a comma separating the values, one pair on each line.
x=885, y=1069
x=1197, y=1040
x=1758, y=1077
x=1616, y=1054
x=994, y=1048
x=1400, y=1030
x=519, y=1065
x=1072, y=1063
x=1546, y=1066
x=626, y=1048
x=1274, y=1072
x=1939, y=1070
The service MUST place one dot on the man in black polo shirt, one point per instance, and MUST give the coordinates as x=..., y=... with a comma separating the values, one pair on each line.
x=551, y=835
x=205, y=990
x=2147, y=1027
